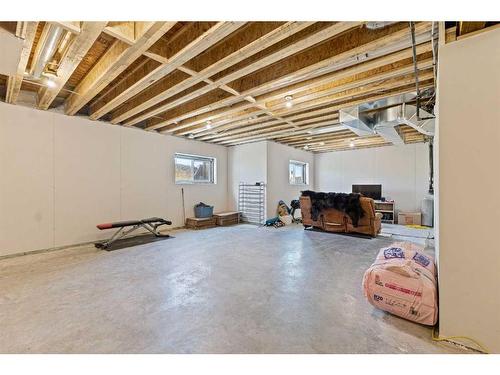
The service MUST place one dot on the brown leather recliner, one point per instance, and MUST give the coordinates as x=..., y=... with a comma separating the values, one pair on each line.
x=332, y=220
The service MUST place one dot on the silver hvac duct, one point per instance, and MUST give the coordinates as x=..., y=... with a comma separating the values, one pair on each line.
x=382, y=116
x=45, y=52
x=374, y=25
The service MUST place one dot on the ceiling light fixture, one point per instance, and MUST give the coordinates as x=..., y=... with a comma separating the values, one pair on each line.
x=351, y=143
x=306, y=147
x=191, y=136
x=50, y=83
x=288, y=100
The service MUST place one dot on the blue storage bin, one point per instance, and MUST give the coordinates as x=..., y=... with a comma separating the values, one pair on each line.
x=202, y=210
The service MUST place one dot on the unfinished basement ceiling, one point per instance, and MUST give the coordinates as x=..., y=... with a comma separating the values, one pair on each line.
x=227, y=83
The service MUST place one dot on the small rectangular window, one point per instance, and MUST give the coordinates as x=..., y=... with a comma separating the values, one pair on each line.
x=299, y=173
x=194, y=169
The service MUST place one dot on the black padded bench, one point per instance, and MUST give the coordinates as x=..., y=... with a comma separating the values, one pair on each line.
x=151, y=224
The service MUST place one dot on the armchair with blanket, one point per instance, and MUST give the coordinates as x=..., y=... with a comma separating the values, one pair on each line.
x=342, y=218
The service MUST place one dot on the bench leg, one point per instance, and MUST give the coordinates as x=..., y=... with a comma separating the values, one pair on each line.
x=120, y=233
x=153, y=229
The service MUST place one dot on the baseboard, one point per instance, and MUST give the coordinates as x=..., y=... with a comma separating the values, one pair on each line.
x=81, y=244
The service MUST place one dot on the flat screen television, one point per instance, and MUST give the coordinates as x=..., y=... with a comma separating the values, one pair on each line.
x=370, y=191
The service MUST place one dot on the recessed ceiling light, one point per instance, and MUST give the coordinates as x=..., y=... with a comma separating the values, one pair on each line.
x=50, y=83
x=306, y=147
x=288, y=100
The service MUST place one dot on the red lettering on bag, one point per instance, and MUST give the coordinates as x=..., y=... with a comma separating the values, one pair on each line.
x=404, y=290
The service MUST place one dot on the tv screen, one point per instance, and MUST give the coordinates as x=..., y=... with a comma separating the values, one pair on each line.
x=370, y=191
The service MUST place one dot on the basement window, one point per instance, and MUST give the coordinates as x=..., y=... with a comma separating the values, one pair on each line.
x=194, y=169
x=298, y=173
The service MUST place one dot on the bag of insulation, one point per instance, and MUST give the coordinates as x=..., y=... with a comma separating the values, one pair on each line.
x=402, y=281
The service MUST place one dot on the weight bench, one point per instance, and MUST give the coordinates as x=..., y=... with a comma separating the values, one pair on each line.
x=150, y=225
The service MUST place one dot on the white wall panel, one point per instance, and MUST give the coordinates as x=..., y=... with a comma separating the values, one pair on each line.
x=278, y=186
x=469, y=176
x=144, y=174
x=247, y=163
x=26, y=179
x=61, y=176
x=401, y=170
x=87, y=178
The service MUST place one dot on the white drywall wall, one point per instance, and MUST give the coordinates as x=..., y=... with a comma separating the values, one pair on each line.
x=267, y=161
x=246, y=163
x=403, y=172
x=61, y=175
x=87, y=178
x=278, y=184
x=469, y=176
x=26, y=179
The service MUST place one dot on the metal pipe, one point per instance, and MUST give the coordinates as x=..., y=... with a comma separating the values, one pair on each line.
x=415, y=68
x=433, y=45
x=47, y=50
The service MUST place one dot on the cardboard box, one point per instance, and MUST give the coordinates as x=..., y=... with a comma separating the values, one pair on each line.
x=227, y=218
x=407, y=218
x=200, y=222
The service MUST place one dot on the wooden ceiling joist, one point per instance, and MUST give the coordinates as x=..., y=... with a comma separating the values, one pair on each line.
x=300, y=45
x=74, y=27
x=88, y=34
x=292, y=131
x=124, y=31
x=469, y=27
x=115, y=61
x=363, y=87
x=26, y=31
x=346, y=95
x=208, y=38
x=396, y=41
x=249, y=47
x=221, y=115
x=363, y=82
x=331, y=77
x=317, y=122
x=225, y=135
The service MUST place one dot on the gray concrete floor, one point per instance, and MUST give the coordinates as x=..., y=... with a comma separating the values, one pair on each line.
x=239, y=289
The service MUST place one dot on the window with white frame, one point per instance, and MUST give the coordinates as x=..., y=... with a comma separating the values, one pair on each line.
x=298, y=173
x=194, y=169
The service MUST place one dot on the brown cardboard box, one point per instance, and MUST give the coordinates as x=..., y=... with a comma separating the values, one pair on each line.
x=227, y=218
x=405, y=218
x=200, y=223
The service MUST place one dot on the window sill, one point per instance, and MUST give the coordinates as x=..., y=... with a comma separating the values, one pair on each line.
x=195, y=183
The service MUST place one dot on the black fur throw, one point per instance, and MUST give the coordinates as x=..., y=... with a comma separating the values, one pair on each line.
x=345, y=202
